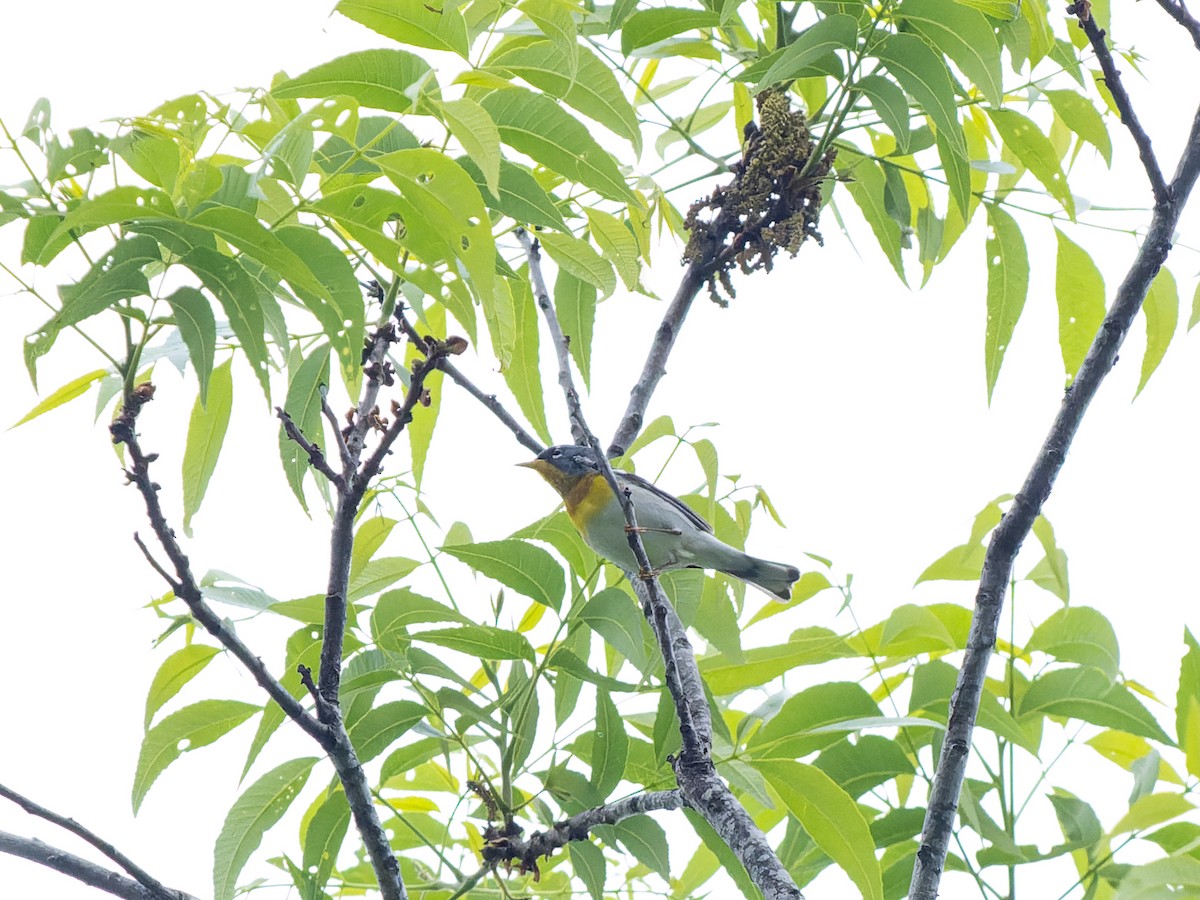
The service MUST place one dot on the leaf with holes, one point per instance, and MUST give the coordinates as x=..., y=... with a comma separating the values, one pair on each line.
x=1023, y=137
x=1007, y=286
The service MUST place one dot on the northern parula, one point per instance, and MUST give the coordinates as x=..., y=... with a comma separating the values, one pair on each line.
x=675, y=537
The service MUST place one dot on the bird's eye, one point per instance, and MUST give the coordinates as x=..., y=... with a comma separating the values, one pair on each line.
x=555, y=454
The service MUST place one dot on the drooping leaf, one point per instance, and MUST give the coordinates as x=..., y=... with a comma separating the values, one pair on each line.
x=618, y=244
x=867, y=188
x=1161, y=308
x=964, y=35
x=1079, y=288
x=206, y=435
x=1023, y=137
x=923, y=74
x=610, y=745
x=524, y=567
x=1078, y=114
x=198, y=328
x=575, y=304
x=76, y=387
x=383, y=725
x=523, y=376
x=520, y=197
x=480, y=138
x=1087, y=694
x=580, y=259
x=258, y=808
x=1008, y=284
x=324, y=836
x=176, y=670
x=303, y=404
x=889, y=102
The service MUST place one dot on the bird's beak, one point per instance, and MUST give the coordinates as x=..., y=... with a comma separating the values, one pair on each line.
x=532, y=464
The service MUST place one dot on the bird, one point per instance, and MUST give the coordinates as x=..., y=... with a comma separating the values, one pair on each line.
x=674, y=536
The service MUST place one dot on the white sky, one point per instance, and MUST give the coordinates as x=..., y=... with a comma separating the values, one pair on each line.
x=858, y=403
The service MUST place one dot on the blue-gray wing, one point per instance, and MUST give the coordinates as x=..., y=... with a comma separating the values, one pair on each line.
x=675, y=502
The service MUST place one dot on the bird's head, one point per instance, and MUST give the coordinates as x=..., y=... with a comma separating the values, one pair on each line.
x=564, y=464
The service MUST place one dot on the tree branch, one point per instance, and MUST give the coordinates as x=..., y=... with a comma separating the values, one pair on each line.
x=701, y=787
x=1177, y=11
x=497, y=408
x=140, y=875
x=655, y=365
x=83, y=870
x=1006, y=540
x=316, y=458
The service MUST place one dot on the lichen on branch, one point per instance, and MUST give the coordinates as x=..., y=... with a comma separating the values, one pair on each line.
x=772, y=204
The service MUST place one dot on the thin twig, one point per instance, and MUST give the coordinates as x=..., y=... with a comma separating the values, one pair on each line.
x=1006, y=540
x=1177, y=11
x=702, y=788
x=655, y=366
x=526, y=439
x=139, y=874
x=327, y=412
x=1112, y=79
x=316, y=458
x=82, y=870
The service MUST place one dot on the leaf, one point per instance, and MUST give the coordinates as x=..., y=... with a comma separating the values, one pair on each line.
x=804, y=647
x=1008, y=284
x=520, y=198
x=303, y=405
x=524, y=567
x=198, y=328
x=523, y=376
x=1172, y=876
x=397, y=610
x=480, y=641
x=890, y=104
x=1151, y=810
x=206, y=434
x=1035, y=152
x=425, y=417
x=830, y=817
x=580, y=259
x=119, y=205
x=1079, y=288
x=588, y=862
x=182, y=731
x=618, y=244
x=1161, y=308
x=867, y=188
x=68, y=392
x=923, y=74
x=176, y=670
x=1087, y=694
x=1078, y=114
x=535, y=125
x=480, y=138
x=610, y=745
x=835, y=32
x=392, y=80
x=649, y=26
x=413, y=22
x=964, y=35
x=793, y=731
x=613, y=615
x=379, y=574
x=382, y=726
x=324, y=836
x=1187, y=702
x=575, y=304
x=258, y=808
x=1080, y=635
x=646, y=840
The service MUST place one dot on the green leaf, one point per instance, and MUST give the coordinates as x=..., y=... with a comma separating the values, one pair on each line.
x=1023, y=137
x=575, y=303
x=501, y=318
x=580, y=259
x=176, y=670
x=867, y=187
x=72, y=389
x=800, y=725
x=1161, y=308
x=1174, y=876
x=831, y=818
x=524, y=567
x=1080, y=635
x=535, y=125
x=1079, y=288
x=836, y=32
x=480, y=641
x=1187, y=702
x=523, y=376
x=252, y=814
x=206, y=434
x=890, y=104
x=303, y=404
x=1078, y=114
x=924, y=75
x=391, y=80
x=1087, y=694
x=805, y=647
x=382, y=726
x=412, y=22
x=964, y=35
x=617, y=242
x=425, y=418
x=397, y=610
x=324, y=836
x=580, y=79
x=646, y=840
x=480, y=138
x=649, y=26
x=1194, y=318
x=610, y=746
x=198, y=328
x=614, y=615
x=1150, y=810
x=116, y=206
x=187, y=729
x=379, y=574
x=520, y=198
x=1008, y=284
x=588, y=862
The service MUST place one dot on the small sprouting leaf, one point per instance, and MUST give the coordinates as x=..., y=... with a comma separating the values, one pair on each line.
x=206, y=434
x=77, y=388
x=412, y=22
x=176, y=670
x=1161, y=308
x=252, y=814
x=1079, y=288
x=539, y=127
x=575, y=303
x=610, y=745
x=1008, y=284
x=481, y=641
x=381, y=79
x=524, y=567
x=831, y=817
x=187, y=729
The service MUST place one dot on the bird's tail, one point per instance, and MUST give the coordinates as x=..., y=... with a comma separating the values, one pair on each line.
x=772, y=577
